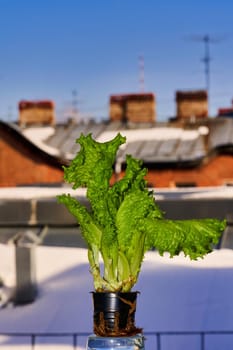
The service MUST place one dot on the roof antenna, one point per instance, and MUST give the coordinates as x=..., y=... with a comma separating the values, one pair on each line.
x=207, y=40
x=206, y=59
x=75, y=104
x=141, y=73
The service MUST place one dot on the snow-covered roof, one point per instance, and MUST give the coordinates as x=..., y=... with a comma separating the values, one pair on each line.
x=161, y=133
x=169, y=144
x=153, y=143
x=38, y=136
x=37, y=192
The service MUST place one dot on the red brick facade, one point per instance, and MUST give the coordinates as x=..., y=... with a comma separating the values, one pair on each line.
x=36, y=112
x=135, y=108
x=21, y=164
x=218, y=171
x=191, y=104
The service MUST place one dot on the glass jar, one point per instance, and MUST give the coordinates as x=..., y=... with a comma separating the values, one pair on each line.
x=135, y=342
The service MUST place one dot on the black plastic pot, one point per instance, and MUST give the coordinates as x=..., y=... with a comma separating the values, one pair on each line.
x=114, y=314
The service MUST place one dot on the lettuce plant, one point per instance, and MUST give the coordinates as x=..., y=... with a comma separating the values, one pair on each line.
x=124, y=220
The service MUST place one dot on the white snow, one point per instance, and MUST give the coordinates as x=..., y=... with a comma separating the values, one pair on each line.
x=175, y=295
x=195, y=192
x=10, y=193
x=162, y=133
x=33, y=192
x=38, y=135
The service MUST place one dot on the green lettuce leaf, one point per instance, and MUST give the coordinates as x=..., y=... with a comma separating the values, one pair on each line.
x=124, y=221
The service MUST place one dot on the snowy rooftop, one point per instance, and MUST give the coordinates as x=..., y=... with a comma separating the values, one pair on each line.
x=33, y=192
x=152, y=143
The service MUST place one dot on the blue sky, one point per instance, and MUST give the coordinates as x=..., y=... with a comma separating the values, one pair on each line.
x=50, y=48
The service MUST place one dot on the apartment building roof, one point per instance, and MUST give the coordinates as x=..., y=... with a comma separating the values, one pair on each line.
x=153, y=143
x=172, y=153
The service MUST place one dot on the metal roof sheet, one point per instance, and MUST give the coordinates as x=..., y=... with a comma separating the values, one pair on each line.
x=155, y=143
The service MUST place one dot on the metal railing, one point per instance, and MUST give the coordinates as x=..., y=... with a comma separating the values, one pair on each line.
x=75, y=336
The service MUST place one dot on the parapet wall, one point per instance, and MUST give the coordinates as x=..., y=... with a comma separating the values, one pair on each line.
x=45, y=216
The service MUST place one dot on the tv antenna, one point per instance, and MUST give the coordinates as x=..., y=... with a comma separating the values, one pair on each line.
x=141, y=73
x=206, y=60
x=207, y=40
x=75, y=103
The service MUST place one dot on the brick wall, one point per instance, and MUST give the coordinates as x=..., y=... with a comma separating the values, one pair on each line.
x=20, y=164
x=218, y=171
x=36, y=112
x=140, y=111
x=192, y=104
x=136, y=108
x=23, y=164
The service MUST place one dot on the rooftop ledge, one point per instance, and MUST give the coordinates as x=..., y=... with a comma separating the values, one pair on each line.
x=37, y=192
